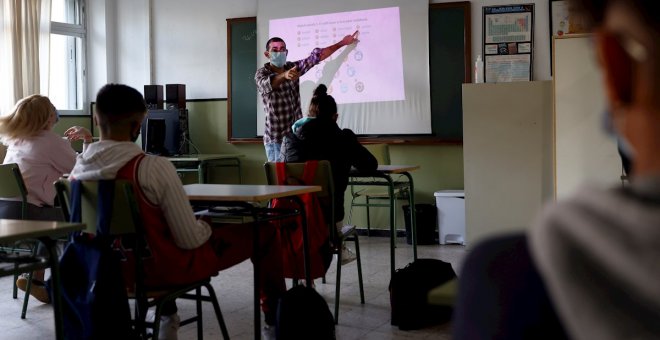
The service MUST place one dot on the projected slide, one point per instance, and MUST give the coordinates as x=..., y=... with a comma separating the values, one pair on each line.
x=369, y=71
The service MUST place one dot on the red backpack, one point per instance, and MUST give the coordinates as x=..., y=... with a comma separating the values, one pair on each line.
x=291, y=228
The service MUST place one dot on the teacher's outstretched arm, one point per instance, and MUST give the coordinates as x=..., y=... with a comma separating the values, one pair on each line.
x=349, y=39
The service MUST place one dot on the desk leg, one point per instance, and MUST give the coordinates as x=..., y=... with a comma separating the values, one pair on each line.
x=51, y=245
x=413, y=214
x=390, y=188
x=201, y=173
x=256, y=267
x=303, y=216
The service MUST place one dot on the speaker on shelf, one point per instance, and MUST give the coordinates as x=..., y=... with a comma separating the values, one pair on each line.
x=175, y=97
x=153, y=96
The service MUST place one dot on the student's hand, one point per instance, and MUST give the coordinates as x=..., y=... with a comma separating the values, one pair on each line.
x=77, y=133
x=292, y=73
x=350, y=39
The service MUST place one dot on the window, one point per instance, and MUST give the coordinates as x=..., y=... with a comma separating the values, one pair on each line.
x=66, y=88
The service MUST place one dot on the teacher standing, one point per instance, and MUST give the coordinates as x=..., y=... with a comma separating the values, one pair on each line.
x=277, y=82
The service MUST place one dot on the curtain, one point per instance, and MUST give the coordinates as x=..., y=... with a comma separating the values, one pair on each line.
x=24, y=49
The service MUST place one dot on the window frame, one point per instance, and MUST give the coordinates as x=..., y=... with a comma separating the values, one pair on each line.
x=76, y=31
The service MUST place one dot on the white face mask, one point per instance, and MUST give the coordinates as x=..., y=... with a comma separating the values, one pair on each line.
x=622, y=142
x=278, y=59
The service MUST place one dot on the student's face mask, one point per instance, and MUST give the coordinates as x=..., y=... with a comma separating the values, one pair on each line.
x=624, y=145
x=277, y=59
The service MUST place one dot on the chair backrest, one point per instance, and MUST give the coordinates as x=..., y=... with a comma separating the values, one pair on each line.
x=12, y=185
x=322, y=178
x=125, y=213
x=381, y=152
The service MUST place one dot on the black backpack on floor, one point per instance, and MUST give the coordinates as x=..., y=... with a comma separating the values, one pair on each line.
x=409, y=288
x=302, y=313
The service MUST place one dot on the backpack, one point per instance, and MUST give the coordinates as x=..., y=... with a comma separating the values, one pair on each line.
x=291, y=228
x=94, y=300
x=302, y=313
x=409, y=288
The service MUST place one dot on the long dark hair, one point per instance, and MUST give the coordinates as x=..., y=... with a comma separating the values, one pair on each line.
x=322, y=105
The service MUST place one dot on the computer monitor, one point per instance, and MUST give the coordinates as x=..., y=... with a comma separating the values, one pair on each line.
x=161, y=132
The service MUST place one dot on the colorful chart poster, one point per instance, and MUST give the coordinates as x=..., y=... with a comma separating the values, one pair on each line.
x=508, y=42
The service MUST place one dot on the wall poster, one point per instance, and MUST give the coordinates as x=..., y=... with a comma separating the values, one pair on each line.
x=508, y=33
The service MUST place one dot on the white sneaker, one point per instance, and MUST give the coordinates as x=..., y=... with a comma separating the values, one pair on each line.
x=347, y=256
x=169, y=325
x=268, y=333
x=303, y=282
x=345, y=230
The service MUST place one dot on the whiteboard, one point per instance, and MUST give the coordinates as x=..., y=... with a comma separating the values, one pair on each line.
x=583, y=152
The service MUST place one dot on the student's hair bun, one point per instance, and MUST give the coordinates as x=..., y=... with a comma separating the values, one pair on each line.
x=320, y=91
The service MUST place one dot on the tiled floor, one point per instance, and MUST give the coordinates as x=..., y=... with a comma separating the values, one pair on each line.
x=234, y=288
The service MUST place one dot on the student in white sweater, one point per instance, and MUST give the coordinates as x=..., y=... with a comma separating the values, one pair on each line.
x=184, y=249
x=43, y=157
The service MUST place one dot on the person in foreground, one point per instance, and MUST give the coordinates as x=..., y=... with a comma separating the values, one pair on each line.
x=596, y=252
x=42, y=157
x=279, y=85
x=322, y=139
x=185, y=249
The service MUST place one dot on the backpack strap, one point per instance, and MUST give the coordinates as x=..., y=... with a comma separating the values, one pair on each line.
x=75, y=209
x=106, y=193
x=104, y=206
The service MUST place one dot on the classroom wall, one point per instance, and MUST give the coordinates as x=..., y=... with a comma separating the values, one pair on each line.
x=170, y=41
x=138, y=42
x=441, y=166
x=541, y=64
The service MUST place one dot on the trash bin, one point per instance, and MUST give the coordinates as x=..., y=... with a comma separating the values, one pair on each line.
x=426, y=223
x=451, y=216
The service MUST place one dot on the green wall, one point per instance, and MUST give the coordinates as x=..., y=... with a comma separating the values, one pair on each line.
x=441, y=167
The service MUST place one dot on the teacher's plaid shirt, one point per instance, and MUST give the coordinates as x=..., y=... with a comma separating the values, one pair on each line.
x=282, y=105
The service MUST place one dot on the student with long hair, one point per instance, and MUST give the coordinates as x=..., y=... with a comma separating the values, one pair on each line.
x=43, y=157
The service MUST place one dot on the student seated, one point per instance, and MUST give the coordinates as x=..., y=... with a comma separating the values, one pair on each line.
x=322, y=139
x=189, y=249
x=590, y=259
x=43, y=157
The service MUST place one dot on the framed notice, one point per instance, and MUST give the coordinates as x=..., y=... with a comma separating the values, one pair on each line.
x=508, y=33
x=561, y=20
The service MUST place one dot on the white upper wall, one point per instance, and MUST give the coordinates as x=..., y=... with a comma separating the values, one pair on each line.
x=541, y=55
x=190, y=43
x=139, y=42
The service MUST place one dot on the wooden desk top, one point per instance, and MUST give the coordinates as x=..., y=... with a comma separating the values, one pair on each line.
x=203, y=157
x=244, y=192
x=14, y=230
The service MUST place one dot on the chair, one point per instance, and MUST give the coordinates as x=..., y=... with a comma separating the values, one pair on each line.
x=381, y=152
x=323, y=178
x=12, y=185
x=127, y=223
